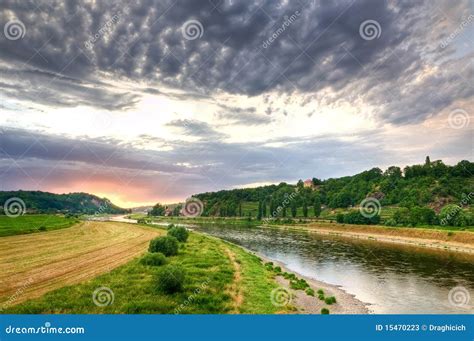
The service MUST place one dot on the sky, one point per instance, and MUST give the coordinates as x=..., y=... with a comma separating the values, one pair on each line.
x=151, y=101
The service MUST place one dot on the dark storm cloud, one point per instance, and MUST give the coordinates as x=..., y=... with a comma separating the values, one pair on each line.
x=320, y=49
x=58, y=91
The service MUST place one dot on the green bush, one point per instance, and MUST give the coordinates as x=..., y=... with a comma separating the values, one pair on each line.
x=170, y=279
x=330, y=300
x=170, y=226
x=166, y=245
x=321, y=297
x=320, y=292
x=179, y=233
x=153, y=259
x=277, y=269
x=325, y=311
x=310, y=292
x=299, y=284
x=288, y=275
x=453, y=215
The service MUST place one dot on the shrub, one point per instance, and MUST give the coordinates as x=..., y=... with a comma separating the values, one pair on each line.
x=320, y=292
x=453, y=215
x=321, y=297
x=330, y=300
x=42, y=228
x=299, y=284
x=166, y=245
x=179, y=233
x=325, y=311
x=170, y=226
x=277, y=269
x=153, y=259
x=310, y=292
x=170, y=279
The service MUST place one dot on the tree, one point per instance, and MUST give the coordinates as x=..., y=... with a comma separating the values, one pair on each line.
x=317, y=206
x=240, y=209
x=452, y=215
x=177, y=209
x=305, y=209
x=157, y=210
x=317, y=182
x=264, y=208
x=300, y=184
x=259, y=212
x=272, y=206
x=293, y=209
x=283, y=212
x=427, y=161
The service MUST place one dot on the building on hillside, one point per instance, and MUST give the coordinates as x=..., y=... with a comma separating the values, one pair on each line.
x=308, y=183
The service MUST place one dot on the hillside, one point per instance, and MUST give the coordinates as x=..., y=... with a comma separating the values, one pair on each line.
x=418, y=194
x=75, y=203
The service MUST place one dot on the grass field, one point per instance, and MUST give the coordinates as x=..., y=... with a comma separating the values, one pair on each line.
x=31, y=265
x=220, y=278
x=33, y=223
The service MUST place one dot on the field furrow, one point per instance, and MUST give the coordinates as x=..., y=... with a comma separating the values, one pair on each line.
x=31, y=265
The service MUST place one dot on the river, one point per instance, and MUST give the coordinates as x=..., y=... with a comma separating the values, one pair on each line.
x=393, y=279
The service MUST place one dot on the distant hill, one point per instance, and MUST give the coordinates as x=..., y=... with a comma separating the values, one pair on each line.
x=75, y=203
x=430, y=186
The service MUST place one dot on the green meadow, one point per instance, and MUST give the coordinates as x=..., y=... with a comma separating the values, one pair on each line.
x=24, y=224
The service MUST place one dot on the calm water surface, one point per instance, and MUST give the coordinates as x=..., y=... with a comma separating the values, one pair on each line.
x=393, y=279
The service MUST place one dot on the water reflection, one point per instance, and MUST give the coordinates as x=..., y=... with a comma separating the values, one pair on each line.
x=392, y=278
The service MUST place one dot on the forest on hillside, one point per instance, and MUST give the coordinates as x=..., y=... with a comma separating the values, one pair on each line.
x=72, y=203
x=427, y=193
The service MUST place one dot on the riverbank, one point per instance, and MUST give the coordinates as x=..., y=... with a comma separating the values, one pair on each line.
x=299, y=302
x=459, y=241
x=220, y=278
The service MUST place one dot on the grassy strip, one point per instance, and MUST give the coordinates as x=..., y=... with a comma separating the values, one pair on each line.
x=209, y=274
x=24, y=224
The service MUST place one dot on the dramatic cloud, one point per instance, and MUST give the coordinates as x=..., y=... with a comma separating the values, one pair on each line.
x=213, y=92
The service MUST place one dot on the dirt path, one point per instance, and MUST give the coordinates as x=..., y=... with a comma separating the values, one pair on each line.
x=31, y=265
x=235, y=290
